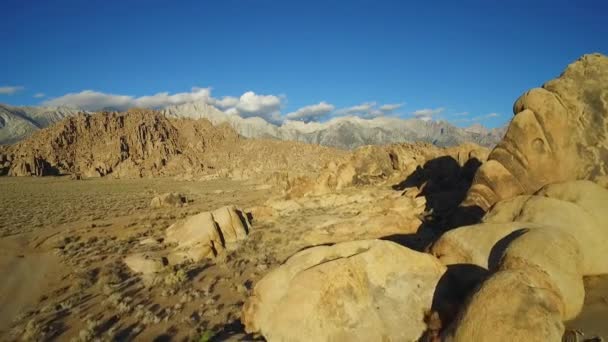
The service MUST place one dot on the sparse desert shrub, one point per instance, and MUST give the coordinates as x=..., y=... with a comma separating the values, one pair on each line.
x=113, y=273
x=176, y=278
x=32, y=331
x=206, y=336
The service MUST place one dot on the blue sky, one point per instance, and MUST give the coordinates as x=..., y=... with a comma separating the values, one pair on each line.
x=463, y=61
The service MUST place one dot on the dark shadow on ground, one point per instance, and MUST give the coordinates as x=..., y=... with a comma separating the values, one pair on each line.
x=444, y=184
x=234, y=330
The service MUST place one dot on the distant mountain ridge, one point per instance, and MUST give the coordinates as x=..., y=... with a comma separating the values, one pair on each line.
x=17, y=123
x=348, y=132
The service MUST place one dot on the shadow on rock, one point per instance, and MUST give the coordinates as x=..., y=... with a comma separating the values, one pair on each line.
x=444, y=183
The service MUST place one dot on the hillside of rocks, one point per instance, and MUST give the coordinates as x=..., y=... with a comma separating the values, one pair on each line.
x=518, y=273
x=144, y=143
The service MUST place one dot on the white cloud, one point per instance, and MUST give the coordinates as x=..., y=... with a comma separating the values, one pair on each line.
x=369, y=110
x=94, y=100
x=427, y=113
x=390, y=107
x=226, y=102
x=247, y=105
x=461, y=114
x=311, y=113
x=39, y=95
x=160, y=100
x=251, y=104
x=10, y=90
x=358, y=110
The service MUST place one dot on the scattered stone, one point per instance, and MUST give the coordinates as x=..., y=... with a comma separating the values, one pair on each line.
x=172, y=199
x=145, y=264
x=207, y=234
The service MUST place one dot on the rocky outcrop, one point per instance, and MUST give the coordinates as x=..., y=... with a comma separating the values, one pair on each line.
x=577, y=207
x=207, y=234
x=352, y=291
x=144, y=143
x=145, y=264
x=558, y=133
x=170, y=199
x=386, y=164
x=31, y=166
x=537, y=250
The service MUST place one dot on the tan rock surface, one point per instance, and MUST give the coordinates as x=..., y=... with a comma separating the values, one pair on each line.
x=563, y=123
x=353, y=291
x=513, y=305
x=575, y=207
x=144, y=143
x=144, y=264
x=170, y=199
x=539, y=248
x=381, y=165
x=207, y=234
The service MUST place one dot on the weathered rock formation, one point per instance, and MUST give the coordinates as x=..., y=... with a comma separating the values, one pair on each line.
x=558, y=133
x=537, y=250
x=171, y=199
x=207, y=234
x=385, y=164
x=143, y=143
x=145, y=264
x=368, y=290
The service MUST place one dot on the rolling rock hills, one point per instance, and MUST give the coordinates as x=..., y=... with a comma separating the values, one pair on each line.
x=286, y=241
x=143, y=143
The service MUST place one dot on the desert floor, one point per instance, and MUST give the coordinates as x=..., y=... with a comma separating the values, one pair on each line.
x=62, y=243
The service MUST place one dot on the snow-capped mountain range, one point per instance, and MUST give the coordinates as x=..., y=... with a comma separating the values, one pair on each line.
x=346, y=132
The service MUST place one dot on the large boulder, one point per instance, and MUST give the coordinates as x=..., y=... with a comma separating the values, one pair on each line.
x=513, y=305
x=576, y=207
x=367, y=290
x=558, y=133
x=207, y=234
x=145, y=264
x=532, y=292
x=537, y=250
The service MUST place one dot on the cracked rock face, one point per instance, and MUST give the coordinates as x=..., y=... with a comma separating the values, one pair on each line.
x=207, y=234
x=559, y=133
x=352, y=291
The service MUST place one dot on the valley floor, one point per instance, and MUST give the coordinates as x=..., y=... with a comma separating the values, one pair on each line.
x=63, y=242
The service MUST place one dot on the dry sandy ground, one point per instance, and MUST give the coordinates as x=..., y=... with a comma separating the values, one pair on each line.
x=62, y=244
x=61, y=255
